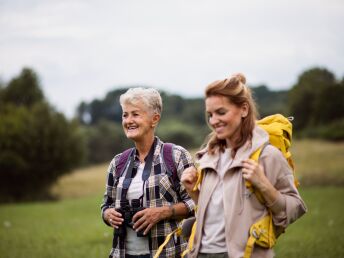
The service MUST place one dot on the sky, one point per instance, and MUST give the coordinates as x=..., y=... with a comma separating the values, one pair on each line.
x=81, y=49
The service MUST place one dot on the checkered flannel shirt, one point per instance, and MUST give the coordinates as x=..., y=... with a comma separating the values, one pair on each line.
x=159, y=192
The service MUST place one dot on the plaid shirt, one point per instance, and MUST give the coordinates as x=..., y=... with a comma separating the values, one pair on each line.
x=159, y=192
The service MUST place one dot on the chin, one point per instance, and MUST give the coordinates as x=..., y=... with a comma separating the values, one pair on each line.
x=131, y=136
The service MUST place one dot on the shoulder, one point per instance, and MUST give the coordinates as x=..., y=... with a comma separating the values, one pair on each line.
x=116, y=161
x=181, y=155
x=273, y=160
x=272, y=152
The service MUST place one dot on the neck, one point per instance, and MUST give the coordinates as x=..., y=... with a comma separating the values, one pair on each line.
x=144, y=146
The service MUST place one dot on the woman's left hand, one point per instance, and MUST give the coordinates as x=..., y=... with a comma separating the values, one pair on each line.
x=147, y=218
x=253, y=172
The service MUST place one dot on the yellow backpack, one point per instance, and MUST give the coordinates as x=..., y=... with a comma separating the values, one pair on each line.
x=261, y=232
x=279, y=128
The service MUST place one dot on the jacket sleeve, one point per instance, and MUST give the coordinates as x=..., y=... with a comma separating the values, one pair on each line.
x=183, y=160
x=289, y=205
x=110, y=191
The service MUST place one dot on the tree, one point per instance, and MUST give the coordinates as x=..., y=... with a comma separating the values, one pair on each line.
x=104, y=140
x=37, y=144
x=307, y=95
x=24, y=90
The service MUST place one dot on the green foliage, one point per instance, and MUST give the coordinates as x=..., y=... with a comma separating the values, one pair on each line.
x=23, y=90
x=270, y=102
x=316, y=99
x=182, y=134
x=104, y=140
x=105, y=109
x=333, y=131
x=37, y=143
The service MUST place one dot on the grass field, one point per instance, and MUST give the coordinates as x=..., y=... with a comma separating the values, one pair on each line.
x=72, y=228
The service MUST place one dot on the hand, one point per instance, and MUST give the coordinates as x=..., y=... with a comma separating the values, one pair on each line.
x=189, y=178
x=147, y=218
x=113, y=217
x=254, y=173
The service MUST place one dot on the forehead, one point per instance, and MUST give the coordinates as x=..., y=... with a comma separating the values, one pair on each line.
x=137, y=106
x=216, y=102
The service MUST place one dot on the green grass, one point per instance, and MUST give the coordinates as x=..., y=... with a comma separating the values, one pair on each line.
x=319, y=233
x=319, y=162
x=73, y=228
x=66, y=229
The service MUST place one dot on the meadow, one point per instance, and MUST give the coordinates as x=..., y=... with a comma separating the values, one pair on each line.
x=72, y=227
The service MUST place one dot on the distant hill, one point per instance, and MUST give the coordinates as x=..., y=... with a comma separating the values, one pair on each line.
x=176, y=107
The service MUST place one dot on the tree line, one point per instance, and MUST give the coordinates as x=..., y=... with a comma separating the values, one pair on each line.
x=38, y=144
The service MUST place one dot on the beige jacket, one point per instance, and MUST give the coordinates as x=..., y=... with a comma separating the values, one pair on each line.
x=241, y=207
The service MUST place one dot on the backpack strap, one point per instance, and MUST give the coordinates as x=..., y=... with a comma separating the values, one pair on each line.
x=123, y=161
x=255, y=156
x=167, y=150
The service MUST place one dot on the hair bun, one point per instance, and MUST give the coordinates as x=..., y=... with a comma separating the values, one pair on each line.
x=239, y=77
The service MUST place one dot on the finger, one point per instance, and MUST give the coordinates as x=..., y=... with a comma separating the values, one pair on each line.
x=249, y=161
x=142, y=227
x=249, y=165
x=116, y=219
x=138, y=215
x=113, y=223
x=139, y=222
x=113, y=212
x=148, y=228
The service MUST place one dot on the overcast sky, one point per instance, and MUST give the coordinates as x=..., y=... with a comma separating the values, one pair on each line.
x=81, y=49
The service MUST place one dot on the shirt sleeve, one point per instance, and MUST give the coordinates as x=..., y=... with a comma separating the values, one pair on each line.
x=109, y=195
x=289, y=205
x=183, y=160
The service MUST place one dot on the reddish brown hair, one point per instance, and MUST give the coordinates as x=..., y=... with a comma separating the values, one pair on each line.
x=235, y=90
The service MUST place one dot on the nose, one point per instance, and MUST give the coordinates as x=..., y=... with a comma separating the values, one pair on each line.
x=127, y=119
x=213, y=120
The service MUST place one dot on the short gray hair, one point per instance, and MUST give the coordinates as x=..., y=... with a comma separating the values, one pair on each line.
x=148, y=96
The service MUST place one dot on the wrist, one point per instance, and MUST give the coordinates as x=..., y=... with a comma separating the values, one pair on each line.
x=172, y=211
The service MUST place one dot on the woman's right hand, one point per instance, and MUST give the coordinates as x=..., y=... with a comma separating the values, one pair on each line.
x=189, y=178
x=113, y=217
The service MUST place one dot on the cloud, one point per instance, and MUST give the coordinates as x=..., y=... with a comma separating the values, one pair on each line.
x=82, y=49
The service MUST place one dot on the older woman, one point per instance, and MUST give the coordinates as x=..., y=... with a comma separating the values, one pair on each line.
x=226, y=208
x=143, y=202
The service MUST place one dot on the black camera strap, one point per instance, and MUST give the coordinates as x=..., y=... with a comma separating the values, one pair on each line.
x=131, y=171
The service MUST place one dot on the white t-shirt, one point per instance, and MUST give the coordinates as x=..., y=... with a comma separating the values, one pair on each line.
x=213, y=236
x=136, y=245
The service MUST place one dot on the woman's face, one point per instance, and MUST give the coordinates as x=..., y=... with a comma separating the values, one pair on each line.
x=137, y=121
x=225, y=118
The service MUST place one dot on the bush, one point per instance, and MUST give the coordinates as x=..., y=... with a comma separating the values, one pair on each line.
x=104, y=140
x=333, y=131
x=188, y=136
x=37, y=146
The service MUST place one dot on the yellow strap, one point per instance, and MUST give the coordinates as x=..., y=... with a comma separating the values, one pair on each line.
x=185, y=253
x=168, y=237
x=255, y=156
x=191, y=240
x=200, y=174
x=249, y=247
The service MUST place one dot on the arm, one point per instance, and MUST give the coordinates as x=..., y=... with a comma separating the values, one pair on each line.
x=109, y=215
x=147, y=218
x=274, y=179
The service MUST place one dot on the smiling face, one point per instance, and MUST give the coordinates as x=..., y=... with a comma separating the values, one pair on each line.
x=225, y=118
x=138, y=122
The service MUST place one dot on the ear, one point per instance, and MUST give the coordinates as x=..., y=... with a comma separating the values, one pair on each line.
x=155, y=119
x=244, y=110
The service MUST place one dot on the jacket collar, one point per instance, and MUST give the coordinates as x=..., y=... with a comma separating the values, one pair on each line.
x=259, y=138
